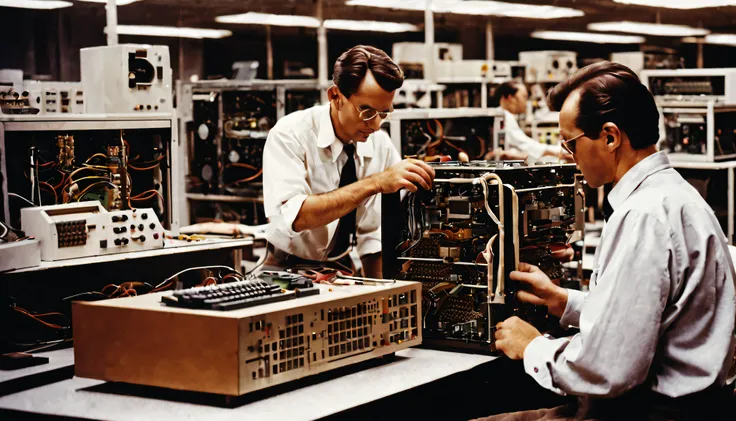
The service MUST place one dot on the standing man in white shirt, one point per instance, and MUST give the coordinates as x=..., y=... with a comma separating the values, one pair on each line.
x=657, y=327
x=513, y=97
x=323, y=168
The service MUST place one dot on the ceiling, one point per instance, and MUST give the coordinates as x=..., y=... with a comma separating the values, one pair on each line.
x=202, y=13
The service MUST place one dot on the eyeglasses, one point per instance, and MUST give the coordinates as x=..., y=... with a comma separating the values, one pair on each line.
x=369, y=114
x=569, y=145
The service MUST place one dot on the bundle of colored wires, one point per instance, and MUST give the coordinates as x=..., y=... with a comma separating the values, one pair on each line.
x=40, y=317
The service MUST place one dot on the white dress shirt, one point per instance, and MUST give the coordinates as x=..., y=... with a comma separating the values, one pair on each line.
x=517, y=139
x=661, y=306
x=303, y=157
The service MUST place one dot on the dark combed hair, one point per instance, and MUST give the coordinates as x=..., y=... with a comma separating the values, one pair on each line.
x=506, y=89
x=611, y=92
x=352, y=65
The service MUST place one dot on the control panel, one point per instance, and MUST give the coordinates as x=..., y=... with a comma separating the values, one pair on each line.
x=86, y=229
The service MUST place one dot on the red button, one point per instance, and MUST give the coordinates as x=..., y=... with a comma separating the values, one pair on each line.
x=536, y=370
x=155, y=236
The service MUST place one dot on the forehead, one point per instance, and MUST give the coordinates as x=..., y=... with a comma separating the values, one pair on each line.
x=569, y=112
x=371, y=94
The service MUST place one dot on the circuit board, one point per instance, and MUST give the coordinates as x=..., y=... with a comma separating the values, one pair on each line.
x=463, y=238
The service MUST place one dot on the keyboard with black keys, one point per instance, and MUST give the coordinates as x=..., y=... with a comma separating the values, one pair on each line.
x=234, y=295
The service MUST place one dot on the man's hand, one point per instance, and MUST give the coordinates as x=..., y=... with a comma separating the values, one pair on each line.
x=513, y=335
x=541, y=291
x=407, y=174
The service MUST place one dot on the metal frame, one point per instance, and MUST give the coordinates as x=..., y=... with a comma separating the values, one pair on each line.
x=729, y=74
x=709, y=109
x=421, y=113
x=81, y=122
x=730, y=167
x=185, y=92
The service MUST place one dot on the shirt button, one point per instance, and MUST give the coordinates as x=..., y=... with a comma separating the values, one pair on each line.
x=536, y=370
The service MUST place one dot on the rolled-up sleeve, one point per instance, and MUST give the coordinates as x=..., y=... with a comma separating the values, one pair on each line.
x=284, y=185
x=571, y=316
x=619, y=318
x=369, y=213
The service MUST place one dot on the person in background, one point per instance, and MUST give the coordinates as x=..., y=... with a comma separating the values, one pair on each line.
x=656, y=338
x=512, y=97
x=324, y=167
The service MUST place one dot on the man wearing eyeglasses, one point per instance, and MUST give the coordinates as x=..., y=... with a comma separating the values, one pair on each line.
x=323, y=168
x=656, y=333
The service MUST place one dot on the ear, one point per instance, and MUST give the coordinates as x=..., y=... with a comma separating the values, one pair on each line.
x=612, y=136
x=333, y=95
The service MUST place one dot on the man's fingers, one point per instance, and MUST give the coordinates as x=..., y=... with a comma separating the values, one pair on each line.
x=416, y=169
x=526, y=277
x=426, y=167
x=409, y=186
x=501, y=345
x=528, y=297
x=417, y=179
x=526, y=267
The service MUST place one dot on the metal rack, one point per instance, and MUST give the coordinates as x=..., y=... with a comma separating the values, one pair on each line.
x=16, y=127
x=286, y=94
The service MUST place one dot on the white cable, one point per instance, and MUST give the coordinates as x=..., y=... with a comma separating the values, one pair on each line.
x=5, y=228
x=38, y=187
x=493, y=216
x=21, y=197
x=341, y=255
x=260, y=262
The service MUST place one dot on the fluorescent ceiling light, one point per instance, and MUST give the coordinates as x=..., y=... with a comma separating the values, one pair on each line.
x=117, y=2
x=253, y=18
x=648, y=29
x=370, y=26
x=722, y=39
x=172, y=31
x=34, y=4
x=719, y=39
x=679, y=4
x=269, y=19
x=475, y=7
x=589, y=37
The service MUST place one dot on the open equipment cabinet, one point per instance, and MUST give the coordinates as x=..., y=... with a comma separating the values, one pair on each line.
x=124, y=161
x=225, y=124
x=463, y=238
x=446, y=131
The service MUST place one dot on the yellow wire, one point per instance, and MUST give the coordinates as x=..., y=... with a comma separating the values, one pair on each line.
x=92, y=177
x=82, y=169
x=95, y=156
x=81, y=195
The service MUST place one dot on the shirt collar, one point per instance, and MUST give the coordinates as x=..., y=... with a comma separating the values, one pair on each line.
x=635, y=176
x=326, y=137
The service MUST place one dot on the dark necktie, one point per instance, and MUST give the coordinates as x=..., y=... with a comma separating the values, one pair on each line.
x=346, y=226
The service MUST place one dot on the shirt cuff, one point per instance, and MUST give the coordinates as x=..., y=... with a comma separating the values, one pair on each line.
x=369, y=245
x=571, y=315
x=289, y=212
x=538, y=358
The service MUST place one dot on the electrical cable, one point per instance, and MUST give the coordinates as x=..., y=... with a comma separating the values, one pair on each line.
x=21, y=197
x=260, y=262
